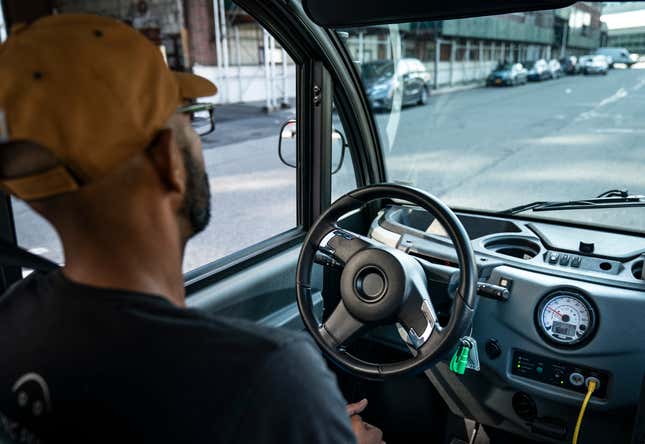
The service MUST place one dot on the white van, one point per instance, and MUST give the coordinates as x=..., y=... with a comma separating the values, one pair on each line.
x=618, y=55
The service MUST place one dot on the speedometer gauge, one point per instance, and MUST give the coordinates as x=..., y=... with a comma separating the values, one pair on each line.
x=566, y=318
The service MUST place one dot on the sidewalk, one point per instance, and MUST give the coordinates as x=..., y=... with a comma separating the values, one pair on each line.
x=248, y=110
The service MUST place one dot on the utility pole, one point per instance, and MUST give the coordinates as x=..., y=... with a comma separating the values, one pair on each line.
x=218, y=42
x=238, y=61
x=565, y=36
x=224, y=44
x=437, y=60
x=267, y=81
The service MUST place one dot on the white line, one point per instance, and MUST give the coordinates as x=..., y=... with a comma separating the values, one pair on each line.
x=639, y=85
x=618, y=130
x=618, y=95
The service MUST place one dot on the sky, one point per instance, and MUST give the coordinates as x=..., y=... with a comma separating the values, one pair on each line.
x=620, y=20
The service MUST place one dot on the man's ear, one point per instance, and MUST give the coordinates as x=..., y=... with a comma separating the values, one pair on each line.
x=167, y=161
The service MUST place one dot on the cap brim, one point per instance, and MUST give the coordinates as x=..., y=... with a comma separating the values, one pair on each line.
x=192, y=86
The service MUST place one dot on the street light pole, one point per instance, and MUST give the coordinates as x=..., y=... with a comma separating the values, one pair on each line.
x=218, y=42
x=565, y=36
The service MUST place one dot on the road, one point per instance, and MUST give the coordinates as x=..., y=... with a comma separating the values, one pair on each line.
x=494, y=148
x=489, y=148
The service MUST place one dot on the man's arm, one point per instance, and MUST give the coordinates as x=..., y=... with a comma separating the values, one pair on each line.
x=296, y=400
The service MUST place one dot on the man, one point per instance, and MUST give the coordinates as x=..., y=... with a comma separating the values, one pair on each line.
x=105, y=349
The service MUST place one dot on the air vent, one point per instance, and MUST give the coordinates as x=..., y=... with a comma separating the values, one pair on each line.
x=637, y=270
x=524, y=406
x=516, y=247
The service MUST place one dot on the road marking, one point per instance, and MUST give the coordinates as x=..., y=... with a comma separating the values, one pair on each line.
x=618, y=130
x=639, y=85
x=618, y=95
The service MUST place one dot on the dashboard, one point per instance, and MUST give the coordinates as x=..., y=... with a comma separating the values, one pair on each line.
x=575, y=312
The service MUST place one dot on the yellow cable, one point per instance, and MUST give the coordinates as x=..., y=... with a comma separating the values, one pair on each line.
x=590, y=390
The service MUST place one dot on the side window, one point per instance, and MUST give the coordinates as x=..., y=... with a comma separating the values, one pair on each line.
x=253, y=194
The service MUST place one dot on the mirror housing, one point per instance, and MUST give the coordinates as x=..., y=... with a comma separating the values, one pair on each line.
x=288, y=132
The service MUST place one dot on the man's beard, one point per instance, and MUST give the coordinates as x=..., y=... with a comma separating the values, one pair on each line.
x=196, y=207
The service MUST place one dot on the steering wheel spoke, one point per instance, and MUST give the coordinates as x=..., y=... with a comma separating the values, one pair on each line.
x=343, y=244
x=417, y=318
x=341, y=327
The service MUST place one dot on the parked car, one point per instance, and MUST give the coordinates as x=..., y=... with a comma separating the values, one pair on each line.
x=555, y=68
x=538, y=70
x=382, y=81
x=570, y=65
x=594, y=64
x=616, y=55
x=507, y=73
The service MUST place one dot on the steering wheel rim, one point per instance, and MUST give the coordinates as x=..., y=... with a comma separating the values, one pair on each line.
x=441, y=339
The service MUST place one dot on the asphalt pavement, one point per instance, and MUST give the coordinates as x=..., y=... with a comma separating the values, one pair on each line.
x=495, y=148
x=489, y=148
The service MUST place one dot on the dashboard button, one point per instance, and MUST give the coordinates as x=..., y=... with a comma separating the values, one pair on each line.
x=553, y=257
x=564, y=259
x=506, y=283
x=575, y=261
x=576, y=379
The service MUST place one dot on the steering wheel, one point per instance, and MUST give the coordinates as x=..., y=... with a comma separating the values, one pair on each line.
x=382, y=285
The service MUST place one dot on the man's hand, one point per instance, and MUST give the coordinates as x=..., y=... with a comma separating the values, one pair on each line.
x=365, y=433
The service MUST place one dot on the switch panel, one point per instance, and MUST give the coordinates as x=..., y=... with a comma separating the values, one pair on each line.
x=560, y=374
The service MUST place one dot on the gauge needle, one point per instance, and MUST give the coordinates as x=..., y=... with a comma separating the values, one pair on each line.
x=555, y=311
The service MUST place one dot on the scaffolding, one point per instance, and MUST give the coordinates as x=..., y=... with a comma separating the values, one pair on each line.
x=254, y=58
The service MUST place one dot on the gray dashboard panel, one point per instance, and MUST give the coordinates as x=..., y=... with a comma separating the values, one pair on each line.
x=606, y=244
x=617, y=347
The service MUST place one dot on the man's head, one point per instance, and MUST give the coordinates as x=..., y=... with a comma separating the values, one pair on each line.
x=89, y=122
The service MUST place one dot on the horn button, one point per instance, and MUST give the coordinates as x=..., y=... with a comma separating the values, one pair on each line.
x=373, y=285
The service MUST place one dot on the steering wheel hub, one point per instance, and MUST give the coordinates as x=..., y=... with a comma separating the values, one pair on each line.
x=372, y=285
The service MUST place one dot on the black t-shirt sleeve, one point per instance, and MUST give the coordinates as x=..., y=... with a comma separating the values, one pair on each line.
x=295, y=399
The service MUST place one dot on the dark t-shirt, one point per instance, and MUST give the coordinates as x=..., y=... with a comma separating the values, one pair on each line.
x=84, y=364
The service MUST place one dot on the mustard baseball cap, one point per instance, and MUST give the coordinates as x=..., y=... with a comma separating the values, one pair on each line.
x=90, y=89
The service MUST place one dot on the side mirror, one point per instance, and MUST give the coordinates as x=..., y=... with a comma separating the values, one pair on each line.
x=287, y=146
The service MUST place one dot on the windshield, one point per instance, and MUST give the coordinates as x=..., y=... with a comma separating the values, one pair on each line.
x=489, y=144
x=504, y=66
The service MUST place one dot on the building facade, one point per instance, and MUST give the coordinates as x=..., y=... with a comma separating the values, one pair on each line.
x=218, y=39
